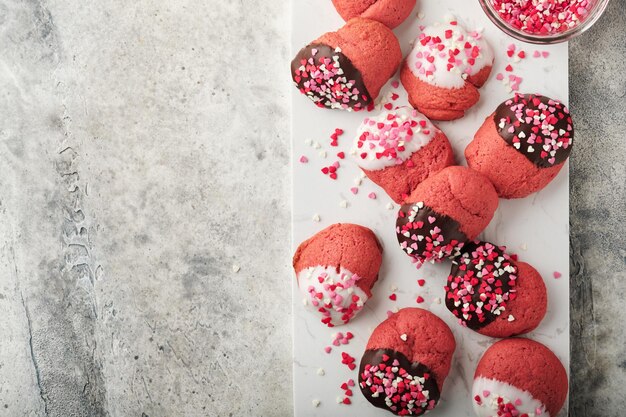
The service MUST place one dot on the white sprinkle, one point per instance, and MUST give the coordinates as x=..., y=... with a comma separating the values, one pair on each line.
x=511, y=318
x=315, y=402
x=339, y=400
x=437, y=300
x=308, y=142
x=343, y=204
x=316, y=145
x=236, y=268
x=323, y=154
x=393, y=288
x=389, y=206
x=321, y=372
x=420, y=15
x=403, y=337
x=316, y=218
x=358, y=181
x=363, y=175
x=523, y=246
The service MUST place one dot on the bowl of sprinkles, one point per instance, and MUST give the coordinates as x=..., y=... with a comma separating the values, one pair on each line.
x=544, y=21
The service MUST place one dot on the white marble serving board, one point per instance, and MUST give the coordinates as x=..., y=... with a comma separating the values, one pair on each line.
x=536, y=228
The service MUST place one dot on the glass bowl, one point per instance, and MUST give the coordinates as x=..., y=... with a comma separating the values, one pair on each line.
x=595, y=11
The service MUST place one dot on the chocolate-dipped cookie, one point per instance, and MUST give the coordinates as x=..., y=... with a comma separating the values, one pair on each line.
x=406, y=361
x=494, y=295
x=346, y=69
x=523, y=145
x=443, y=212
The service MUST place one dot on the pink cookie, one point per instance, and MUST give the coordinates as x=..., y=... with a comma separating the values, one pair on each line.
x=346, y=69
x=445, y=69
x=412, y=350
x=517, y=377
x=443, y=212
x=523, y=145
x=399, y=149
x=494, y=295
x=389, y=12
x=336, y=270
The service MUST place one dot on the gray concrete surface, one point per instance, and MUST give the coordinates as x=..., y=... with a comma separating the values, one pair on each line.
x=144, y=152
x=598, y=217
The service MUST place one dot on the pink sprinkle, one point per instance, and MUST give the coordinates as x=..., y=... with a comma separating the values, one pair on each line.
x=499, y=76
x=372, y=195
x=486, y=393
x=545, y=54
x=304, y=159
x=389, y=313
x=354, y=190
x=511, y=47
x=327, y=349
x=350, y=382
x=395, y=84
x=557, y=274
x=542, y=17
x=518, y=402
x=536, y=54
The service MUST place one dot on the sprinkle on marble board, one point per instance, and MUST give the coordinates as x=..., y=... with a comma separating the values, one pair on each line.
x=346, y=387
x=348, y=360
x=341, y=339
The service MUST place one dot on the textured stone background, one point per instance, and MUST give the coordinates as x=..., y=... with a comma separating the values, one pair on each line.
x=144, y=151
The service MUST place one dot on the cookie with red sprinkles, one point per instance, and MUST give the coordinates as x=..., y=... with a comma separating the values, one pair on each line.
x=389, y=12
x=406, y=362
x=519, y=377
x=491, y=293
x=445, y=69
x=443, y=212
x=400, y=148
x=346, y=69
x=336, y=270
x=523, y=145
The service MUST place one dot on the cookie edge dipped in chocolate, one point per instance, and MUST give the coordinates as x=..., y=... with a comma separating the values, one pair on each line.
x=504, y=118
x=450, y=229
x=350, y=73
x=374, y=357
x=474, y=323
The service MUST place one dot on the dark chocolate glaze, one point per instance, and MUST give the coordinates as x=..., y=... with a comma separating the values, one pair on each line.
x=466, y=264
x=536, y=118
x=420, y=225
x=416, y=369
x=347, y=88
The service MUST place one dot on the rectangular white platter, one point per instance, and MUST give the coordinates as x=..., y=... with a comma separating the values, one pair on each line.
x=536, y=228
